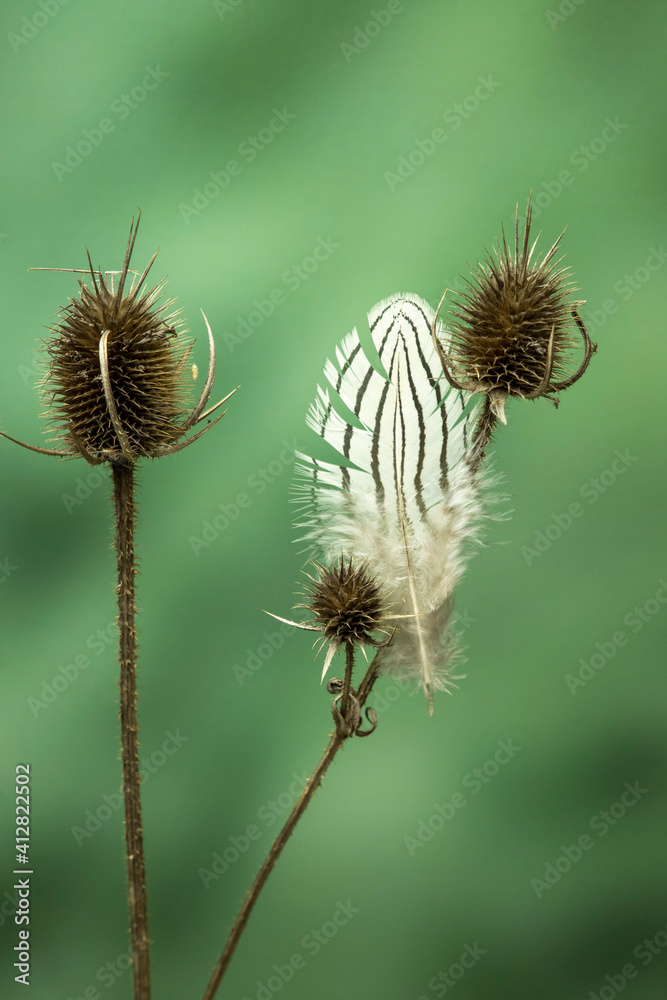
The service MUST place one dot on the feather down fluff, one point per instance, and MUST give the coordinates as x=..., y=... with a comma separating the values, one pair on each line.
x=405, y=500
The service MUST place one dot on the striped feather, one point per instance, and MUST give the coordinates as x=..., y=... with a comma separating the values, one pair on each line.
x=403, y=498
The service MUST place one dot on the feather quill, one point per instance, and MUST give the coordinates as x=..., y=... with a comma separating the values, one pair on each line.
x=404, y=498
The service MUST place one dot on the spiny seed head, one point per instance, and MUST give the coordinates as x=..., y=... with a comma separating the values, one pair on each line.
x=117, y=383
x=146, y=359
x=117, y=386
x=346, y=602
x=348, y=606
x=514, y=325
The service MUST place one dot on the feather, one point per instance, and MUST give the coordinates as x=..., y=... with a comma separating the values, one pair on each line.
x=404, y=499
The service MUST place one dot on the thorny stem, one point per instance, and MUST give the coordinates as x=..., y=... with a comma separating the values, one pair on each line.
x=123, y=488
x=347, y=683
x=336, y=741
x=369, y=680
x=482, y=436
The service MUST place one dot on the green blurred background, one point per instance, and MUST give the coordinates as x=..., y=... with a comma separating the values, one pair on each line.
x=536, y=86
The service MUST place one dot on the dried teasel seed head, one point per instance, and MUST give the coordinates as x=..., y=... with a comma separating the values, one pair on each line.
x=117, y=386
x=346, y=603
x=514, y=325
x=145, y=357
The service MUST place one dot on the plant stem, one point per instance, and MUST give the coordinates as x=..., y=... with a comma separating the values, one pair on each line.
x=482, y=436
x=347, y=683
x=123, y=486
x=335, y=743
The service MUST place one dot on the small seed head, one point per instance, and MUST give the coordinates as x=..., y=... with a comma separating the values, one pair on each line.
x=347, y=605
x=346, y=602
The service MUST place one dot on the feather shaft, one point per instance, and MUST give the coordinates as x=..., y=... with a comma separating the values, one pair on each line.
x=403, y=497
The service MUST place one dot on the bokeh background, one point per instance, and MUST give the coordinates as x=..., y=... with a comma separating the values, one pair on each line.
x=562, y=98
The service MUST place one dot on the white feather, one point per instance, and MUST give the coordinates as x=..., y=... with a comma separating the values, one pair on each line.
x=405, y=500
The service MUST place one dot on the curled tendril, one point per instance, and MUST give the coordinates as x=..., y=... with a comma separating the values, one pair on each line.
x=371, y=716
x=349, y=724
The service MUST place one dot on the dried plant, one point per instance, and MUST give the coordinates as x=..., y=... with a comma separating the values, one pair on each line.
x=115, y=391
x=396, y=519
x=390, y=527
x=512, y=331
